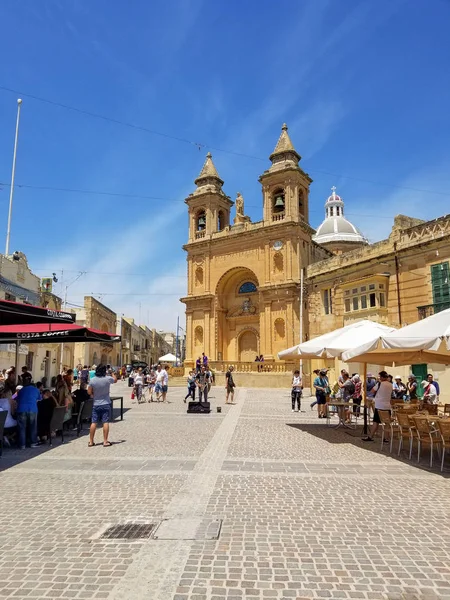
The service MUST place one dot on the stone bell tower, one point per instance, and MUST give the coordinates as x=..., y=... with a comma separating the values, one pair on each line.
x=285, y=184
x=209, y=206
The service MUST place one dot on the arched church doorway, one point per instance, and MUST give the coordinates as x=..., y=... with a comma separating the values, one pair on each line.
x=248, y=346
x=237, y=313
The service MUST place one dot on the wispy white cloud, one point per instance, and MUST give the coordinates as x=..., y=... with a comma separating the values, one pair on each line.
x=130, y=270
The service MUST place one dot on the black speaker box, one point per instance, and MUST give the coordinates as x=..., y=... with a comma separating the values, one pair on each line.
x=199, y=407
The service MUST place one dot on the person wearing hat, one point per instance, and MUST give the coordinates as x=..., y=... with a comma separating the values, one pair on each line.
x=382, y=396
x=322, y=388
x=411, y=387
x=429, y=392
x=398, y=388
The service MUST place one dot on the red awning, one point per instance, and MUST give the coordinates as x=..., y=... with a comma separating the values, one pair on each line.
x=12, y=313
x=50, y=333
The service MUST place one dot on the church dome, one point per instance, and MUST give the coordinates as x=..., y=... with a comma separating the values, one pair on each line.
x=336, y=228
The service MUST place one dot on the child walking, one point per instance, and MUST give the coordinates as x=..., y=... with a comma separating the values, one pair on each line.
x=296, y=393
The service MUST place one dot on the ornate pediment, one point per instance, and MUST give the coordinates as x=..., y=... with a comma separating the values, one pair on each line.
x=245, y=309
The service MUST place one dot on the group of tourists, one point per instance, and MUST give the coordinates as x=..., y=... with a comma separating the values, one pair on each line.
x=30, y=406
x=154, y=380
x=202, y=378
x=380, y=392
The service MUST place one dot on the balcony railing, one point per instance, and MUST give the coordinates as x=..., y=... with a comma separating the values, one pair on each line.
x=278, y=216
x=252, y=367
x=432, y=309
x=200, y=234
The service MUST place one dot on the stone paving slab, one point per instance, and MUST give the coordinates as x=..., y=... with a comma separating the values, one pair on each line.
x=307, y=512
x=310, y=468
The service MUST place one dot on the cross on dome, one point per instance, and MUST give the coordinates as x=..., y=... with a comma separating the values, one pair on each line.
x=335, y=228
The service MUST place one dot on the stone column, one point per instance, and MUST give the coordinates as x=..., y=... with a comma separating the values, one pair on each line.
x=207, y=332
x=189, y=337
x=288, y=254
x=290, y=331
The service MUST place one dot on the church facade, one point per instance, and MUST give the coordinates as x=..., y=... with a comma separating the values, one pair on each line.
x=243, y=277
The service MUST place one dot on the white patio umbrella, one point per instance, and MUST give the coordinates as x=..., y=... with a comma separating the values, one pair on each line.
x=426, y=341
x=338, y=342
x=167, y=358
x=335, y=343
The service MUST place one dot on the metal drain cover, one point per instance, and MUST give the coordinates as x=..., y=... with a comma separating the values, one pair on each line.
x=189, y=529
x=129, y=531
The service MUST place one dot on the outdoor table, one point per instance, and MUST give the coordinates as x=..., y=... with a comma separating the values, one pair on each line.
x=341, y=406
x=112, y=407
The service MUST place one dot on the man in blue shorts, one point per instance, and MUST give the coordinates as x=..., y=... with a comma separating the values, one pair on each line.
x=99, y=387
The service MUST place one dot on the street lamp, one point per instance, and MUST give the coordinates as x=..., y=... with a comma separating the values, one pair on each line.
x=13, y=174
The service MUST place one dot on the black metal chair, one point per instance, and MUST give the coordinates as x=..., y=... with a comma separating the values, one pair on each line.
x=3, y=415
x=57, y=423
x=85, y=412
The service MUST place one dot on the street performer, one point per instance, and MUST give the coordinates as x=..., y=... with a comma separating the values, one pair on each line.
x=202, y=380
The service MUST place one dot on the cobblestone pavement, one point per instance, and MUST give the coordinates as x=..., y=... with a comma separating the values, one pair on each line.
x=301, y=511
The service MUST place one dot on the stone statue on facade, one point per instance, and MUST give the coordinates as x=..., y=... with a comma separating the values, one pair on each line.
x=240, y=217
x=239, y=204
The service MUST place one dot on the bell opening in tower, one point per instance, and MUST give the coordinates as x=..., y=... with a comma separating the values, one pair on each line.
x=278, y=201
x=201, y=220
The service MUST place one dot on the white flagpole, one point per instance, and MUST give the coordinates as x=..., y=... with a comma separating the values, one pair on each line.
x=13, y=173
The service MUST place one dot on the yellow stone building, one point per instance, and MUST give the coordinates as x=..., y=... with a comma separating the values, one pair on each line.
x=396, y=281
x=244, y=277
x=243, y=295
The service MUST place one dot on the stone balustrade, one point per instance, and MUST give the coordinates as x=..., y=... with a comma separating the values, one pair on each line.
x=253, y=367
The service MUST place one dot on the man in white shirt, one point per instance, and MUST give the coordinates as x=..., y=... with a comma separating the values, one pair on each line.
x=383, y=395
x=162, y=381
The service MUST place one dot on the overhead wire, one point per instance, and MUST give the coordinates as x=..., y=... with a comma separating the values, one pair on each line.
x=144, y=197
x=199, y=145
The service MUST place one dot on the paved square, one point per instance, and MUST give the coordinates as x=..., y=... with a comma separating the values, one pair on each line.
x=305, y=511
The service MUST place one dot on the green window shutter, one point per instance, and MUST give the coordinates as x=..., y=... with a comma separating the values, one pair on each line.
x=440, y=282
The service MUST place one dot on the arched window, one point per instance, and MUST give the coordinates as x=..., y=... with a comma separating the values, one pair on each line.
x=301, y=203
x=278, y=204
x=337, y=211
x=247, y=288
x=201, y=220
x=331, y=211
x=220, y=220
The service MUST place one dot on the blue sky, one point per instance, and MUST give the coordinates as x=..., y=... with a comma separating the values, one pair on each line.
x=363, y=86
